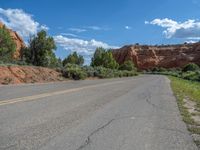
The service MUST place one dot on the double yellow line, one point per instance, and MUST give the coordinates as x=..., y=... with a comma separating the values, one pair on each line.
x=39, y=96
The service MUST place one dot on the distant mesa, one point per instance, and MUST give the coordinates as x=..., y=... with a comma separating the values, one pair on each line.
x=167, y=56
x=18, y=41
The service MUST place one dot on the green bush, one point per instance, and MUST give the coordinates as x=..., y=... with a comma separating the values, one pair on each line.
x=90, y=71
x=127, y=65
x=191, y=67
x=73, y=71
x=191, y=75
x=77, y=72
x=102, y=72
x=190, y=72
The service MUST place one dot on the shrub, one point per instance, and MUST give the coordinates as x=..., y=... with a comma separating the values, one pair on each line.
x=191, y=75
x=127, y=65
x=77, y=72
x=191, y=67
x=90, y=71
x=73, y=71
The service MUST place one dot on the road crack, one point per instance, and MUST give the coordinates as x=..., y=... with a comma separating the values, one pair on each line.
x=88, y=139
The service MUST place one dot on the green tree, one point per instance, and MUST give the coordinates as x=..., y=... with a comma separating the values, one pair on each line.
x=74, y=58
x=7, y=45
x=104, y=58
x=41, y=50
x=98, y=56
x=127, y=65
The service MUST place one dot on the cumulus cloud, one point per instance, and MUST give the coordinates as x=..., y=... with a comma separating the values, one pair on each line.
x=189, y=29
x=83, y=47
x=20, y=21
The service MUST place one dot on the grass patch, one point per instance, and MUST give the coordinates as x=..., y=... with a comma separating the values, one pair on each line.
x=184, y=88
x=194, y=130
x=187, y=90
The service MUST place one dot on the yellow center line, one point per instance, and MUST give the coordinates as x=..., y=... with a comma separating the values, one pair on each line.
x=37, y=97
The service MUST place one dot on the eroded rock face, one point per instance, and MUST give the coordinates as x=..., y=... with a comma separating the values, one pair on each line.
x=169, y=56
x=28, y=74
x=18, y=41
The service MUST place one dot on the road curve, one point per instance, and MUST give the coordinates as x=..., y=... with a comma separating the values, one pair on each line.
x=137, y=113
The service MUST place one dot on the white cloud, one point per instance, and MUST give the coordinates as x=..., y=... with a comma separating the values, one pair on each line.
x=44, y=27
x=78, y=30
x=20, y=21
x=191, y=41
x=94, y=28
x=69, y=34
x=173, y=29
x=83, y=47
x=128, y=27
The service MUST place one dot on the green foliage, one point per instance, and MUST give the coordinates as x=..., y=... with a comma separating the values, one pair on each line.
x=191, y=67
x=41, y=50
x=74, y=59
x=97, y=58
x=102, y=72
x=104, y=58
x=127, y=65
x=74, y=71
x=7, y=45
x=191, y=75
x=189, y=72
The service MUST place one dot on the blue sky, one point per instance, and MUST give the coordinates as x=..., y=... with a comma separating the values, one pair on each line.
x=83, y=25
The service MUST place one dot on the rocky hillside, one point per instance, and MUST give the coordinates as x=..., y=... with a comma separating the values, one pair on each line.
x=18, y=41
x=166, y=56
x=27, y=74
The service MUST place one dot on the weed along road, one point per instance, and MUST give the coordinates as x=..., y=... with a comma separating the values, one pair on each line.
x=137, y=113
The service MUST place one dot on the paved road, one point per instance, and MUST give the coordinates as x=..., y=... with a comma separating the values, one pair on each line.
x=137, y=113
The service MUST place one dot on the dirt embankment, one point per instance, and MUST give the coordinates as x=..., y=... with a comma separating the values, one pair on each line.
x=28, y=74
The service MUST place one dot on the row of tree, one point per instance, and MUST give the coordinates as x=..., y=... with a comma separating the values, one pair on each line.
x=41, y=52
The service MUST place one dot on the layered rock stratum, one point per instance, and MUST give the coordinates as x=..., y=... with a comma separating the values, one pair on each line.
x=17, y=40
x=167, y=56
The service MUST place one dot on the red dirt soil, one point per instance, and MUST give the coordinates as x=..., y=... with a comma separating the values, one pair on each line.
x=28, y=74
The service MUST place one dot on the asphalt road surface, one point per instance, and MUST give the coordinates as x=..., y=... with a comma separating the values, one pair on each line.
x=137, y=113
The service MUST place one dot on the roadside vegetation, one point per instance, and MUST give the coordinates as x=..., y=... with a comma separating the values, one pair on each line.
x=188, y=99
x=190, y=72
x=41, y=52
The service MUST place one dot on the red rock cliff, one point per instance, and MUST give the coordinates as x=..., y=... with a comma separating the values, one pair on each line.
x=18, y=41
x=167, y=56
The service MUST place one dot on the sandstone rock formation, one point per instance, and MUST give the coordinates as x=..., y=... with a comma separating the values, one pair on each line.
x=28, y=74
x=18, y=41
x=166, y=56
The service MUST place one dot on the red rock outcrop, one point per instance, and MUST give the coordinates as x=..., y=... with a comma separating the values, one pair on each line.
x=18, y=41
x=166, y=56
x=28, y=74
